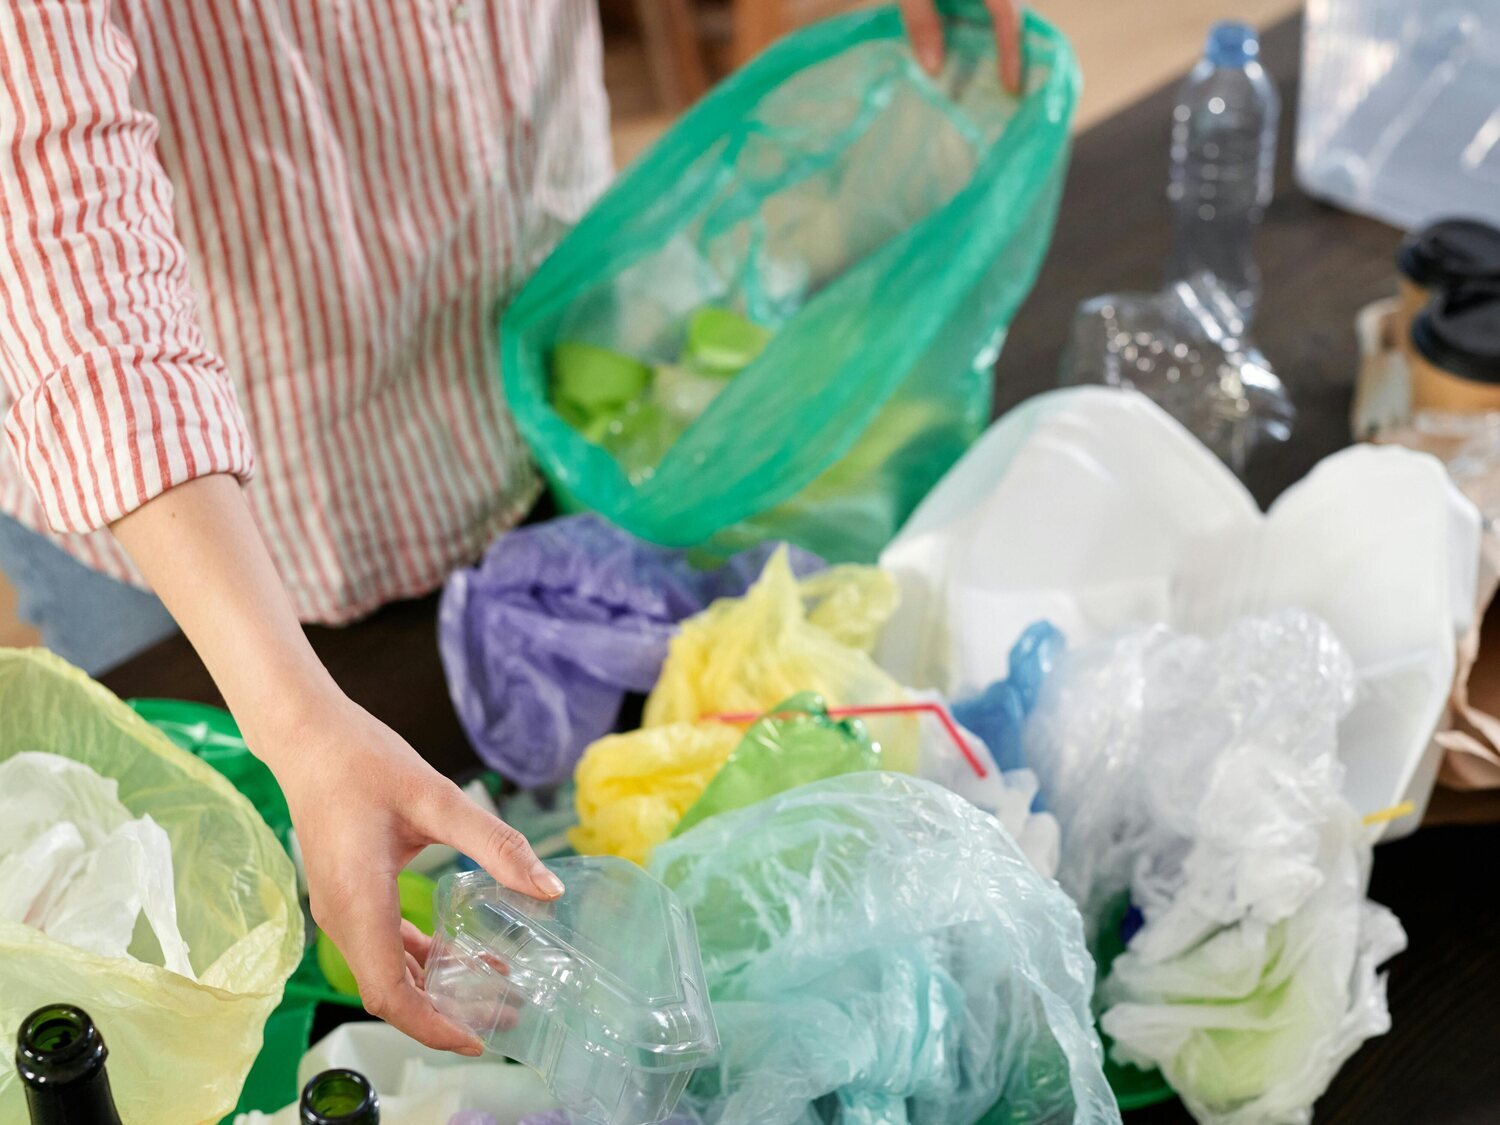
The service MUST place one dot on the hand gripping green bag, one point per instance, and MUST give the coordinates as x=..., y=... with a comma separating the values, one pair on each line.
x=179, y=1048
x=882, y=224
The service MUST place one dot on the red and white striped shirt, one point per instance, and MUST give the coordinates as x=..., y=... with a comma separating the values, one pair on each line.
x=281, y=229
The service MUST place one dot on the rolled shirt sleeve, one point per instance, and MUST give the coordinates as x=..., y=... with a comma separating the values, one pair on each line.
x=117, y=396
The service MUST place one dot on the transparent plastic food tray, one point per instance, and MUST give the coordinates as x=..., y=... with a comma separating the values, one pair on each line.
x=601, y=991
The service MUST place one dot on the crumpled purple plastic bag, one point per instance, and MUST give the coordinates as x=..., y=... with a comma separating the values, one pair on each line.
x=541, y=640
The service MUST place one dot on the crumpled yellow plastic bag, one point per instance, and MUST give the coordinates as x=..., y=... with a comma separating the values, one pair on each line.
x=783, y=637
x=741, y=655
x=179, y=1050
x=633, y=788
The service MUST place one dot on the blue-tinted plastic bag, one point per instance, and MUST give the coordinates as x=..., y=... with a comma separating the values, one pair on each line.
x=998, y=714
x=878, y=950
x=883, y=224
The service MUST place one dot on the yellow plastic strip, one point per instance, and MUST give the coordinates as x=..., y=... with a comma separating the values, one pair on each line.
x=1395, y=812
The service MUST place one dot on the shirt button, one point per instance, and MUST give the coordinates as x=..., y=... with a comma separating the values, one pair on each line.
x=460, y=12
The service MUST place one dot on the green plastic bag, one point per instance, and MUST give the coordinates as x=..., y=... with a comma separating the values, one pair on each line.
x=796, y=743
x=883, y=224
x=179, y=1048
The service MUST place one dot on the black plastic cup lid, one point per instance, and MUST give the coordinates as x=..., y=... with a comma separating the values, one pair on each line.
x=1459, y=331
x=1450, y=252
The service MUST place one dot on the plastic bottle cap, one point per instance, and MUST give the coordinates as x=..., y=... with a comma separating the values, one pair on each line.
x=1459, y=331
x=1450, y=251
x=1231, y=43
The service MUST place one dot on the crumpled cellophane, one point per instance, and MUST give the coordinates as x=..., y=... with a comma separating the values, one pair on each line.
x=874, y=943
x=179, y=1049
x=1201, y=778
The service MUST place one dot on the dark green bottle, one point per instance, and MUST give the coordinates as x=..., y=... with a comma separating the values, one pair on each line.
x=340, y=1097
x=60, y=1057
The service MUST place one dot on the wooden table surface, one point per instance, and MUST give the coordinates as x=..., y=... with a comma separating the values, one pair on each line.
x=1438, y=1065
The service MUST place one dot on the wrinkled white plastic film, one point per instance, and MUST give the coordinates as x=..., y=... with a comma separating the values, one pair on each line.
x=1200, y=778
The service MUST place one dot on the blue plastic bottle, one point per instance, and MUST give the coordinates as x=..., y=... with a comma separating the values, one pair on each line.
x=1223, y=163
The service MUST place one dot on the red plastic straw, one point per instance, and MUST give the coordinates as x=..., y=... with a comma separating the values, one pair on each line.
x=936, y=710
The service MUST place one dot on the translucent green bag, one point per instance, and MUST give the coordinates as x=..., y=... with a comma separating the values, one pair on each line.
x=885, y=226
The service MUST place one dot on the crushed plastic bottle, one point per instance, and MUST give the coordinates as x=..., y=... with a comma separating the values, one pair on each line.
x=1188, y=350
x=601, y=992
x=1188, y=347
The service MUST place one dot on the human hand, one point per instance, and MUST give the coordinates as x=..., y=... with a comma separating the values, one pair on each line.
x=925, y=27
x=364, y=803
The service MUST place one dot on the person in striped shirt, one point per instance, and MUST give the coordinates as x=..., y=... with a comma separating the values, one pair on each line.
x=274, y=233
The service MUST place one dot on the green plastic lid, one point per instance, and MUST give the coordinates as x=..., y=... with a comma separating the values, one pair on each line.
x=721, y=342
x=594, y=379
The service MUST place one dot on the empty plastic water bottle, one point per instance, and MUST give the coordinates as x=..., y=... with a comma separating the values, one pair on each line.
x=1223, y=163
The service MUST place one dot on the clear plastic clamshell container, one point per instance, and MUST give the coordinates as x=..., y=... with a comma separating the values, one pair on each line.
x=1399, y=112
x=600, y=991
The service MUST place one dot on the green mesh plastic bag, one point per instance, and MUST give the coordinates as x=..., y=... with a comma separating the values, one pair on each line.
x=883, y=224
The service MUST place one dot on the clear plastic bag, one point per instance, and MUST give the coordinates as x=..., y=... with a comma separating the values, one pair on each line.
x=179, y=1049
x=1093, y=509
x=877, y=949
x=1201, y=779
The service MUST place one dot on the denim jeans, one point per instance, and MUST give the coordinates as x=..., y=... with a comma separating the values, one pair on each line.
x=85, y=617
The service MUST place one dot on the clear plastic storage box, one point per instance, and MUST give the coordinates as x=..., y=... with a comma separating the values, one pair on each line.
x=600, y=991
x=1399, y=114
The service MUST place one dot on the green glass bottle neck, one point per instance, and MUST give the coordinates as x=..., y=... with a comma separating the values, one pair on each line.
x=60, y=1058
x=340, y=1097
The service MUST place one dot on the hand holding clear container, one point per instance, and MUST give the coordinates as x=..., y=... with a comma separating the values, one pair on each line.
x=600, y=991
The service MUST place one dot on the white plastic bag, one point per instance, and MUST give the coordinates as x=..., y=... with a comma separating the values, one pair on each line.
x=1200, y=778
x=1092, y=508
x=77, y=866
x=1007, y=795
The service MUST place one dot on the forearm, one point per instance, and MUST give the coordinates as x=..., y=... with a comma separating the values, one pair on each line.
x=199, y=547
